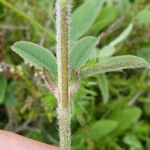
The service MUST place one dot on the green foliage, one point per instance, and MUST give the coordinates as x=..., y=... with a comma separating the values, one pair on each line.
x=117, y=63
x=104, y=87
x=102, y=128
x=110, y=111
x=81, y=52
x=32, y=21
x=1, y=13
x=37, y=135
x=122, y=36
x=144, y=16
x=95, y=130
x=85, y=17
x=133, y=142
x=144, y=52
x=3, y=86
x=107, y=15
x=110, y=49
x=121, y=116
x=107, y=51
x=37, y=55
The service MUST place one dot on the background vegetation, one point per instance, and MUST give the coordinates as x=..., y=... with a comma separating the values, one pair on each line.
x=111, y=111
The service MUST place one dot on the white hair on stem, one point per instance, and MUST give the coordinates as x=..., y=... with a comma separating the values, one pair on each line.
x=63, y=8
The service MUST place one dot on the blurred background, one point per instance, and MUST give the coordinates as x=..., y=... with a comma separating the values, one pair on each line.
x=110, y=112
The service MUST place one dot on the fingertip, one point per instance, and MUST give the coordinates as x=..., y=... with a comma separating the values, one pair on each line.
x=9, y=141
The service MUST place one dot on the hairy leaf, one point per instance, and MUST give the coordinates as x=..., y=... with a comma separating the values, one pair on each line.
x=37, y=55
x=3, y=86
x=84, y=17
x=81, y=52
x=115, y=64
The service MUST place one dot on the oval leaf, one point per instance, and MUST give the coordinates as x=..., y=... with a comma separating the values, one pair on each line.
x=115, y=64
x=37, y=55
x=81, y=52
x=84, y=17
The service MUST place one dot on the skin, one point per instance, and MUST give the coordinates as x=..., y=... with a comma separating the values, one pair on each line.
x=11, y=141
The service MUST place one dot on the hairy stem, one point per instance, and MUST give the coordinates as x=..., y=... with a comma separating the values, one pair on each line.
x=62, y=19
x=64, y=118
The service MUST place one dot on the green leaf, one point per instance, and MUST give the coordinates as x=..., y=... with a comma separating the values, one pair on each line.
x=122, y=36
x=84, y=17
x=125, y=117
x=133, y=141
x=3, y=86
x=95, y=130
x=102, y=128
x=107, y=15
x=144, y=16
x=115, y=64
x=107, y=51
x=81, y=52
x=103, y=86
x=37, y=55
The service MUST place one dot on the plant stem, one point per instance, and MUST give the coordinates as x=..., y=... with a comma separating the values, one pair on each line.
x=64, y=110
